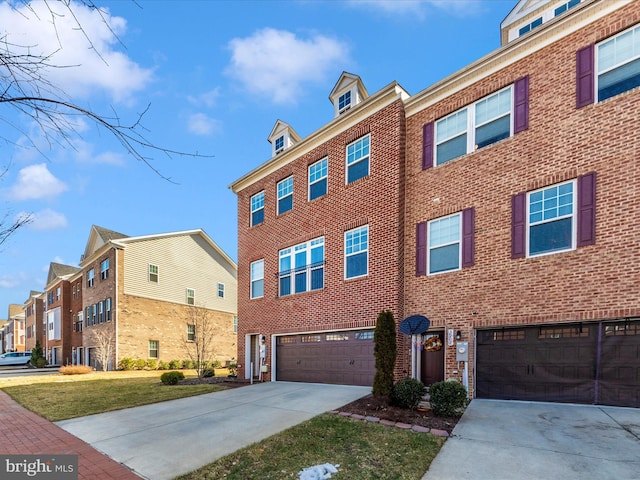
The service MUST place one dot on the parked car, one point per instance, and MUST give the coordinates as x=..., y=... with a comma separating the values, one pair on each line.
x=15, y=358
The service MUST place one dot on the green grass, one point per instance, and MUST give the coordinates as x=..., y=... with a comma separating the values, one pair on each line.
x=364, y=451
x=60, y=397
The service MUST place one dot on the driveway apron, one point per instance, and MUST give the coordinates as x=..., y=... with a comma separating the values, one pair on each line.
x=164, y=440
x=497, y=440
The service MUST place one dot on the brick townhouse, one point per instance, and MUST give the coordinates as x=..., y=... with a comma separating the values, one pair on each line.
x=138, y=292
x=56, y=338
x=523, y=249
x=506, y=212
x=320, y=241
x=34, y=319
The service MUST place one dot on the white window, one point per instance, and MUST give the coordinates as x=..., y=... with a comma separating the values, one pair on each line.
x=618, y=61
x=356, y=252
x=153, y=273
x=220, y=290
x=483, y=123
x=301, y=267
x=257, y=209
x=344, y=102
x=191, y=296
x=285, y=195
x=358, y=159
x=235, y=324
x=109, y=309
x=191, y=333
x=279, y=144
x=90, y=277
x=257, y=279
x=318, y=173
x=551, y=219
x=445, y=252
x=154, y=349
x=104, y=269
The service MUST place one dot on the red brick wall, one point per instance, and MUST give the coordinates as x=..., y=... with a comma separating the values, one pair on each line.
x=590, y=283
x=375, y=200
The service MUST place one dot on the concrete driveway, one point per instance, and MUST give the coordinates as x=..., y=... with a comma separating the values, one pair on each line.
x=164, y=440
x=533, y=440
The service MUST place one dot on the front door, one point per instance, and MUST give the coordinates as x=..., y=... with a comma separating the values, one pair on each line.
x=432, y=362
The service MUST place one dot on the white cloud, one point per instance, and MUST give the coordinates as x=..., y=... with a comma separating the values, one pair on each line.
x=208, y=99
x=50, y=29
x=47, y=219
x=202, y=124
x=36, y=181
x=9, y=281
x=277, y=63
x=83, y=152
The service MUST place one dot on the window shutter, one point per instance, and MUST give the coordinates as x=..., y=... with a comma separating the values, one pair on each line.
x=468, y=239
x=518, y=225
x=587, y=209
x=427, y=145
x=521, y=105
x=421, y=249
x=585, y=67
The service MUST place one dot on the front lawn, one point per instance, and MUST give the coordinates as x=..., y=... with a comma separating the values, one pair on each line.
x=60, y=397
x=364, y=451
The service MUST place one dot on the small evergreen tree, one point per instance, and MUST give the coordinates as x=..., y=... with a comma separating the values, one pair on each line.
x=37, y=356
x=384, y=350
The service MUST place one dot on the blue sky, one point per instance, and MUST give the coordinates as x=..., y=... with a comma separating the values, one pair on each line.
x=217, y=76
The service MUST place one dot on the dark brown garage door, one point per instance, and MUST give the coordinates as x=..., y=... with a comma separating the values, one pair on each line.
x=578, y=363
x=344, y=358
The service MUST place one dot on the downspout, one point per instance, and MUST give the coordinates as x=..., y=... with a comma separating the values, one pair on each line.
x=115, y=308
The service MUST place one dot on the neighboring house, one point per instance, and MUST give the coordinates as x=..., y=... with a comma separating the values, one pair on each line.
x=525, y=242
x=14, y=330
x=3, y=325
x=500, y=202
x=34, y=319
x=320, y=238
x=137, y=293
x=59, y=314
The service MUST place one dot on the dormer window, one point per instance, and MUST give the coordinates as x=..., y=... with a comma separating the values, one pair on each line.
x=344, y=102
x=279, y=145
x=527, y=28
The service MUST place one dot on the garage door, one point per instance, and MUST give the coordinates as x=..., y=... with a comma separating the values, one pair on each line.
x=579, y=363
x=344, y=358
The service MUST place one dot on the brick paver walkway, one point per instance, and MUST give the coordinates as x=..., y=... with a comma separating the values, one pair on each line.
x=22, y=432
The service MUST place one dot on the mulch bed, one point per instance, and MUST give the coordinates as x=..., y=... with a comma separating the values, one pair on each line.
x=380, y=407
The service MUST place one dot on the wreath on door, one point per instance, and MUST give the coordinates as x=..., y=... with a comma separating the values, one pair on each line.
x=433, y=344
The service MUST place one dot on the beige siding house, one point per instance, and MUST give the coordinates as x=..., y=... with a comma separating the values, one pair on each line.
x=139, y=294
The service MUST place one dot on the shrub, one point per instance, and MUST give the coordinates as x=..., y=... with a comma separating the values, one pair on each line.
x=407, y=393
x=162, y=365
x=37, y=356
x=75, y=369
x=216, y=364
x=140, y=363
x=187, y=364
x=385, y=351
x=448, y=399
x=175, y=364
x=126, y=364
x=208, y=372
x=171, y=378
x=152, y=364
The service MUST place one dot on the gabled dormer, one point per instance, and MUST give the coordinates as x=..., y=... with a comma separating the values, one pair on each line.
x=528, y=15
x=347, y=93
x=99, y=236
x=282, y=136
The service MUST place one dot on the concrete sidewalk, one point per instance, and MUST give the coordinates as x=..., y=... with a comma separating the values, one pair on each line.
x=164, y=440
x=507, y=440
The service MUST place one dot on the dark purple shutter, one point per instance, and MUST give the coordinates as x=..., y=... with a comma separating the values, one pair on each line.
x=585, y=67
x=587, y=209
x=518, y=225
x=468, y=239
x=421, y=249
x=427, y=145
x=521, y=105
